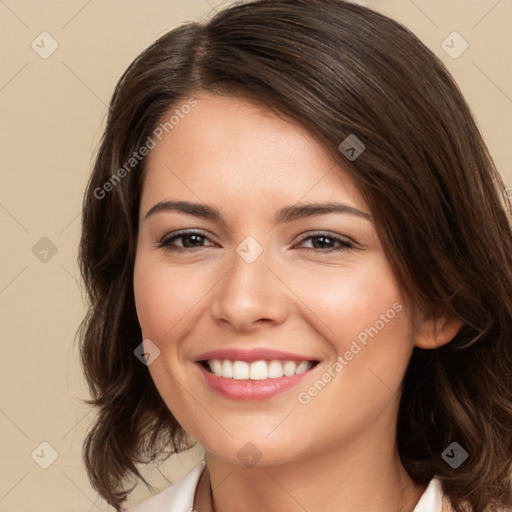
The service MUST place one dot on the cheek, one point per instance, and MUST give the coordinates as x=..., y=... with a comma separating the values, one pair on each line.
x=347, y=301
x=148, y=298
x=363, y=317
x=362, y=314
x=162, y=297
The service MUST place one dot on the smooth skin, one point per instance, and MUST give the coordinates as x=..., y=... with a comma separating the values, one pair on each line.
x=337, y=452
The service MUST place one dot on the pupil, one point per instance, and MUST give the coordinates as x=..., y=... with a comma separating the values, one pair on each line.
x=324, y=243
x=189, y=237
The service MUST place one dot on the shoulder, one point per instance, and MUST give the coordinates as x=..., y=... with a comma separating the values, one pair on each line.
x=178, y=497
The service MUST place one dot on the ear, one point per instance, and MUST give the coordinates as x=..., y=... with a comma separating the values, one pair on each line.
x=436, y=332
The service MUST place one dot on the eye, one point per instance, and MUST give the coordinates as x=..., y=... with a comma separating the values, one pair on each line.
x=325, y=241
x=190, y=240
x=322, y=241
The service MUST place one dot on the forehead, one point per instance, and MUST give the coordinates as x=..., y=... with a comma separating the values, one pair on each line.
x=227, y=147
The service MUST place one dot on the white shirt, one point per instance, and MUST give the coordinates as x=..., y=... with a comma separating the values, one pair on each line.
x=179, y=497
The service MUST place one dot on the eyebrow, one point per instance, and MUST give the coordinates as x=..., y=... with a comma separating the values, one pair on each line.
x=286, y=214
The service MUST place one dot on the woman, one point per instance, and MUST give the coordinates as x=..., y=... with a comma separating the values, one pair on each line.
x=297, y=251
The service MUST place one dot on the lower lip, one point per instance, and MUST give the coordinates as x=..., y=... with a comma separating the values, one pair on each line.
x=251, y=389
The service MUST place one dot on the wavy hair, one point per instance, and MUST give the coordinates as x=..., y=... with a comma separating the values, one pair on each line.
x=439, y=204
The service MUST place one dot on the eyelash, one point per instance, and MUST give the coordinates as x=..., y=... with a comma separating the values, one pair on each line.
x=165, y=242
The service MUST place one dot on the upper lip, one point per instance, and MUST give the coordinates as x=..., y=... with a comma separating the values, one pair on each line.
x=250, y=355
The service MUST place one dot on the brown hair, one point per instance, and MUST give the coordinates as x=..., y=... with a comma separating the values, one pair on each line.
x=337, y=69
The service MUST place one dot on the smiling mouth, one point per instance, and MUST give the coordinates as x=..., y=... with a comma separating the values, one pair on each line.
x=256, y=370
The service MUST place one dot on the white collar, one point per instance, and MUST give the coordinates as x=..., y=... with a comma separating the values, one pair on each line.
x=432, y=499
x=179, y=497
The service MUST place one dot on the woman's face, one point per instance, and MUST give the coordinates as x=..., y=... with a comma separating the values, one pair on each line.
x=261, y=273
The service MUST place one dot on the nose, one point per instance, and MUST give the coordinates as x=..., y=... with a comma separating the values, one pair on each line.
x=250, y=296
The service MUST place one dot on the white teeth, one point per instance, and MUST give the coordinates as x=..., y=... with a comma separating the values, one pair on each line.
x=227, y=369
x=289, y=368
x=302, y=367
x=240, y=370
x=275, y=370
x=216, y=366
x=257, y=370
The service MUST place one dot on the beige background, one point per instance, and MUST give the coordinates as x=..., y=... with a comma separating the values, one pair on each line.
x=53, y=111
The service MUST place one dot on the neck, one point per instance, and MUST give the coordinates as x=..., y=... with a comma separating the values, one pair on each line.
x=364, y=476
